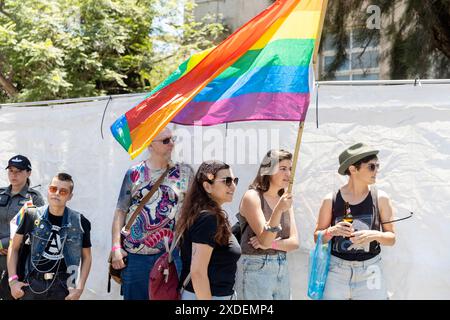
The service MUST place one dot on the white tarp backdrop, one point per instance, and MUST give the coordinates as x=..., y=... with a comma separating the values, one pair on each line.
x=409, y=124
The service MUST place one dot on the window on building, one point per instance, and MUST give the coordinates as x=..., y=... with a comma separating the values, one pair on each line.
x=362, y=61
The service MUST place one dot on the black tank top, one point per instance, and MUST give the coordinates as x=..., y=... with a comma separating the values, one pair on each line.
x=365, y=217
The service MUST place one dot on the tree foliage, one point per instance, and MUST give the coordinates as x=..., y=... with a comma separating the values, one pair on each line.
x=177, y=41
x=418, y=31
x=55, y=49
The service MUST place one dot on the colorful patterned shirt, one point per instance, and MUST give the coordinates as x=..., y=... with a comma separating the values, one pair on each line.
x=160, y=211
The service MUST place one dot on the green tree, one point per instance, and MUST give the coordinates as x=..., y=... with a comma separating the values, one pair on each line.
x=177, y=41
x=418, y=31
x=55, y=49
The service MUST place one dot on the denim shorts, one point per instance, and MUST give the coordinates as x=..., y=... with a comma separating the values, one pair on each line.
x=188, y=295
x=355, y=280
x=265, y=277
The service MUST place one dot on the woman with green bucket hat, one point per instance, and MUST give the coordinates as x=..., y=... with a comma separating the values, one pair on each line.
x=351, y=221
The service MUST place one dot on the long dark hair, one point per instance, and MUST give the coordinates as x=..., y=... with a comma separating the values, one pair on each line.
x=267, y=169
x=197, y=199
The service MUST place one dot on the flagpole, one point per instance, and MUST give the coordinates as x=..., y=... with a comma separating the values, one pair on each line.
x=296, y=152
x=301, y=124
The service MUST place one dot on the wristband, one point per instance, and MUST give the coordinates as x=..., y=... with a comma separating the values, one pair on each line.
x=114, y=248
x=12, y=278
x=274, y=245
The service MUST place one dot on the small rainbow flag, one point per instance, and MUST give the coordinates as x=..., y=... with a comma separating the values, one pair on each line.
x=260, y=72
x=18, y=218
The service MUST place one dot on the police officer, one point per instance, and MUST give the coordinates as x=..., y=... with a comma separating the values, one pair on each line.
x=12, y=198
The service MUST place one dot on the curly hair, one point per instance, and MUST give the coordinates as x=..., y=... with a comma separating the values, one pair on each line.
x=197, y=200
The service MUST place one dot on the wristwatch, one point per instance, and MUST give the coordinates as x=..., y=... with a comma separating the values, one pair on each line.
x=273, y=229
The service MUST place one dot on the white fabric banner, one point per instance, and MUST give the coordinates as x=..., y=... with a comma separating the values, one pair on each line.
x=410, y=125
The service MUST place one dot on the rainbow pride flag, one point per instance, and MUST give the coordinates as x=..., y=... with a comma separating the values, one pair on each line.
x=260, y=72
x=17, y=219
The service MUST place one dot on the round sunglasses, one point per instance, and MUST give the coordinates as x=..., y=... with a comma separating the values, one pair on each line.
x=229, y=180
x=373, y=166
x=62, y=191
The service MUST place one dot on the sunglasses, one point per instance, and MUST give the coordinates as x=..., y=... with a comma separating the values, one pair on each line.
x=229, y=180
x=62, y=191
x=400, y=219
x=167, y=140
x=373, y=166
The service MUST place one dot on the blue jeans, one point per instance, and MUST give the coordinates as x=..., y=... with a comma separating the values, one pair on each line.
x=136, y=275
x=355, y=280
x=265, y=277
x=187, y=295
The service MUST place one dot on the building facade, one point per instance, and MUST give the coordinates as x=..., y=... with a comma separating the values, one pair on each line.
x=364, y=61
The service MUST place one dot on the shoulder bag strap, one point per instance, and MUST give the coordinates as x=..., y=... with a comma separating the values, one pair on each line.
x=375, y=211
x=145, y=200
x=172, y=247
x=188, y=277
x=242, y=225
x=333, y=204
x=185, y=283
x=261, y=199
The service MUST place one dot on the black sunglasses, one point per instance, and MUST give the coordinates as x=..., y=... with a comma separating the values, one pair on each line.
x=167, y=140
x=373, y=166
x=229, y=180
x=400, y=219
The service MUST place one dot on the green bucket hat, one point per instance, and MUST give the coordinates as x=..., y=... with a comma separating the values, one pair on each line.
x=353, y=154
